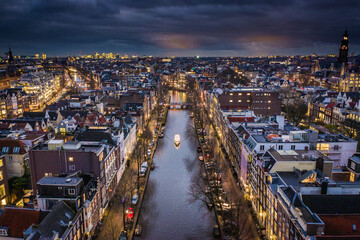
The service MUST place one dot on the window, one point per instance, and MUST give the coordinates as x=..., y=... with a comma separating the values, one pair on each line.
x=269, y=101
x=71, y=191
x=239, y=100
x=16, y=150
x=1, y=176
x=71, y=159
x=71, y=167
x=248, y=94
x=268, y=107
x=2, y=190
x=262, y=147
x=292, y=147
x=48, y=174
x=231, y=94
x=231, y=101
x=248, y=100
x=239, y=94
x=3, y=232
x=10, y=157
x=280, y=147
x=5, y=149
x=336, y=147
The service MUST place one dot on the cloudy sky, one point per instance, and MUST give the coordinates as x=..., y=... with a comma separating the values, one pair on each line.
x=178, y=27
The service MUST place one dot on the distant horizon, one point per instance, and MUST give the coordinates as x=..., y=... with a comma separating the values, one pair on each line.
x=176, y=56
x=179, y=28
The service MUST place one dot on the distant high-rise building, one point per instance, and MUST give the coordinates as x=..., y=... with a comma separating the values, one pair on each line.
x=344, y=49
x=37, y=56
x=43, y=56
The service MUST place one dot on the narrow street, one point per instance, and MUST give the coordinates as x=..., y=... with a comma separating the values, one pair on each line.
x=113, y=223
x=235, y=194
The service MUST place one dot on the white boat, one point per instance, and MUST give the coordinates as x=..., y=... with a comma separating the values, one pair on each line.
x=177, y=139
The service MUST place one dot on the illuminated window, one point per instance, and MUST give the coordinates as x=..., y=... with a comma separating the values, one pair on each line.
x=71, y=159
x=352, y=177
x=268, y=107
x=2, y=190
x=231, y=94
x=248, y=94
x=239, y=94
x=1, y=176
x=1, y=162
x=239, y=100
x=269, y=101
x=231, y=101
x=248, y=100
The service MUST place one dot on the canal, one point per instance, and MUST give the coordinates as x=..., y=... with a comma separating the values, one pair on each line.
x=169, y=210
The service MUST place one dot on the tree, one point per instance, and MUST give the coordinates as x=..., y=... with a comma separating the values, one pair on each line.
x=296, y=112
x=138, y=153
x=238, y=224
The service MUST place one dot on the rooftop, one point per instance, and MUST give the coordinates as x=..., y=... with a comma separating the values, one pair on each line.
x=296, y=155
x=73, y=181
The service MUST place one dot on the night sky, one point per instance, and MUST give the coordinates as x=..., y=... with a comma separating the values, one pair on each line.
x=178, y=27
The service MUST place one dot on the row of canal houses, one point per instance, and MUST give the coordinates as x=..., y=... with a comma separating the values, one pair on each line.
x=75, y=153
x=300, y=184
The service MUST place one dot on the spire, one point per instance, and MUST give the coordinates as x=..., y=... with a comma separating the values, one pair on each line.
x=10, y=55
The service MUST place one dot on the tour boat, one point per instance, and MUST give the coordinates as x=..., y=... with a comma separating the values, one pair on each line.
x=177, y=139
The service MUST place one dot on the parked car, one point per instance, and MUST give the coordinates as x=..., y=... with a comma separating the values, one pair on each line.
x=142, y=172
x=216, y=231
x=130, y=213
x=134, y=199
x=123, y=235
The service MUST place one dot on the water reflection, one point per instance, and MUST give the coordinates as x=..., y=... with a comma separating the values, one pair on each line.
x=167, y=212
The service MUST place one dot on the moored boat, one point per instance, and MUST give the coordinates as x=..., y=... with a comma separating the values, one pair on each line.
x=138, y=230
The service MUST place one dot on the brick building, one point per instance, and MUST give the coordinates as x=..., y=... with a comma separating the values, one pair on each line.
x=263, y=102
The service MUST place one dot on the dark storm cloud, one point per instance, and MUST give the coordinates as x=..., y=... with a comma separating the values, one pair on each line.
x=187, y=27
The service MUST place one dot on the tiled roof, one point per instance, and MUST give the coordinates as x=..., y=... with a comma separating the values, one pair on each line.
x=18, y=220
x=11, y=144
x=341, y=224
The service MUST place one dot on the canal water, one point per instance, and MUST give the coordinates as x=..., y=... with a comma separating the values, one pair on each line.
x=168, y=210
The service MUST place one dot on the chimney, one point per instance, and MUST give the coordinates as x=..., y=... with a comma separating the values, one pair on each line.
x=324, y=186
x=281, y=121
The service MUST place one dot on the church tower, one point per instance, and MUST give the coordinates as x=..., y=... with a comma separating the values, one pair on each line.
x=344, y=49
x=10, y=56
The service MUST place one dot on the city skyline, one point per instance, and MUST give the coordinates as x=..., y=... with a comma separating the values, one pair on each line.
x=181, y=28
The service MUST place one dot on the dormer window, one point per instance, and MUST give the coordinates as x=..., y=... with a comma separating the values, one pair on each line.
x=3, y=231
x=71, y=191
x=16, y=150
x=5, y=149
